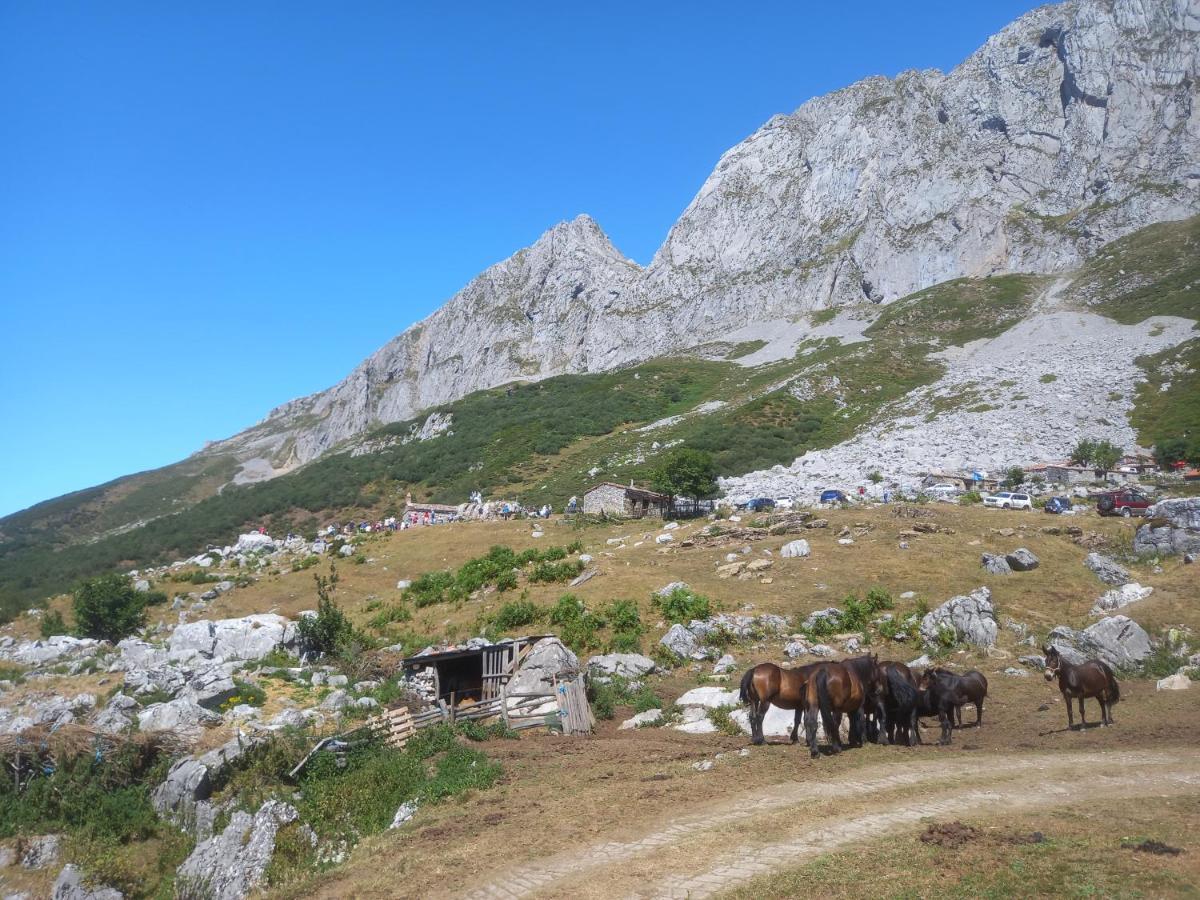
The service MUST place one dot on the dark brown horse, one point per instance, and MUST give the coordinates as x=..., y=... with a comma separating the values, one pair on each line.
x=971, y=687
x=768, y=685
x=874, y=683
x=900, y=703
x=1092, y=678
x=835, y=689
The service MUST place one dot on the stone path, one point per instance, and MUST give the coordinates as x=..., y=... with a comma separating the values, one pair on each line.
x=994, y=783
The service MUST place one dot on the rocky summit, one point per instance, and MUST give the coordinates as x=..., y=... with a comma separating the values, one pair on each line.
x=1071, y=127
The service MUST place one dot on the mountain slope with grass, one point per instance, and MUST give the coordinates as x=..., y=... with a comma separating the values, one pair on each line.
x=901, y=388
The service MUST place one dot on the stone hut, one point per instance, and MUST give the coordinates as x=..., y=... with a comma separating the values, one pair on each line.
x=626, y=501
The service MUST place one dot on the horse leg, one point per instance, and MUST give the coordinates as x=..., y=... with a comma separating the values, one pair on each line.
x=1103, y=713
x=810, y=732
x=1082, y=717
x=978, y=713
x=914, y=729
x=758, y=711
x=946, y=718
x=858, y=721
x=796, y=724
x=1070, y=713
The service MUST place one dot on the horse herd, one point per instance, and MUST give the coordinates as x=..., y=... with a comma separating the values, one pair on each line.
x=886, y=700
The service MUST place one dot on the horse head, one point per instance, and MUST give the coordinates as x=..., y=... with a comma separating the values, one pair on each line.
x=1053, y=661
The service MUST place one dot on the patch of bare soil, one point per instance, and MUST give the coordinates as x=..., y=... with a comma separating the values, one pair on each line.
x=949, y=834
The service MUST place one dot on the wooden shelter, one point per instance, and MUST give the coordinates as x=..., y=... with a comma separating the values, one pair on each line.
x=474, y=674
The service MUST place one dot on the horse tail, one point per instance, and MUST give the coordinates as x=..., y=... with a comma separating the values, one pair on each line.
x=747, y=686
x=1114, y=687
x=824, y=704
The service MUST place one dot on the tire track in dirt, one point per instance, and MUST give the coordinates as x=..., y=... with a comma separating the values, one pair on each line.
x=1055, y=780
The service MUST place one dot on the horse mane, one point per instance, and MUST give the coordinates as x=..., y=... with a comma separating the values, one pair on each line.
x=902, y=692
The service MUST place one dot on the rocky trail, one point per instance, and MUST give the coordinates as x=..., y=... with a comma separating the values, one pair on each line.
x=705, y=851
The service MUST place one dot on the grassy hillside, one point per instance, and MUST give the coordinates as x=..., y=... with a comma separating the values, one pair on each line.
x=546, y=441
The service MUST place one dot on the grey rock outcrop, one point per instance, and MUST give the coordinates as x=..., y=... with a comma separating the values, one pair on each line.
x=548, y=659
x=40, y=852
x=247, y=638
x=1121, y=597
x=1022, y=560
x=71, y=885
x=971, y=617
x=1118, y=640
x=995, y=564
x=795, y=549
x=626, y=665
x=190, y=781
x=182, y=715
x=1106, y=569
x=680, y=641
x=231, y=865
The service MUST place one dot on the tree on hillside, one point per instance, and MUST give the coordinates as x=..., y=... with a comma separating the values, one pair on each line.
x=1105, y=456
x=686, y=473
x=108, y=607
x=329, y=630
x=1171, y=450
x=1083, y=453
x=1014, y=477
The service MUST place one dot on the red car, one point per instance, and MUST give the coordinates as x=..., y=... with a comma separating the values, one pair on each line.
x=1125, y=502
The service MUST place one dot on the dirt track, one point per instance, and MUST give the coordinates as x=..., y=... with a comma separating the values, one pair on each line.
x=701, y=853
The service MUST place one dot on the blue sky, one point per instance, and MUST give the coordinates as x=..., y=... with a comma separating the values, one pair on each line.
x=209, y=209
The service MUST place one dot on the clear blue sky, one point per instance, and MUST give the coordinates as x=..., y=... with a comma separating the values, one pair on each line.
x=209, y=209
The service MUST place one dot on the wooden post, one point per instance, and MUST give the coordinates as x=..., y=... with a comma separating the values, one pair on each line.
x=504, y=705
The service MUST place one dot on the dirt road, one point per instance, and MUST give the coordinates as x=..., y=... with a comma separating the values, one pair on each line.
x=703, y=852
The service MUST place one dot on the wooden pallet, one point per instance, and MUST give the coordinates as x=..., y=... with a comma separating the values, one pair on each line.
x=395, y=726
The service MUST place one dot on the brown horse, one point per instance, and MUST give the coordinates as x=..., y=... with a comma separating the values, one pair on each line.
x=1092, y=678
x=768, y=685
x=835, y=689
x=971, y=687
x=874, y=681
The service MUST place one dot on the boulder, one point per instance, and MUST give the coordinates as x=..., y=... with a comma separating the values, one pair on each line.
x=709, y=698
x=181, y=715
x=1118, y=640
x=730, y=570
x=1014, y=671
x=230, y=865
x=404, y=813
x=972, y=618
x=1165, y=540
x=40, y=852
x=1106, y=569
x=649, y=717
x=1181, y=513
x=795, y=649
x=831, y=615
x=248, y=638
x=795, y=549
x=547, y=660
x=54, y=650
x=821, y=650
x=117, y=715
x=776, y=723
x=1022, y=560
x=70, y=885
x=1034, y=662
x=921, y=662
x=336, y=701
x=1176, y=682
x=1121, y=597
x=254, y=543
x=680, y=641
x=626, y=665
x=725, y=664
x=995, y=564
x=190, y=780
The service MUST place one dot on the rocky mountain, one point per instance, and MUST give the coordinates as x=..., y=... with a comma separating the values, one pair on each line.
x=1071, y=127
x=818, y=309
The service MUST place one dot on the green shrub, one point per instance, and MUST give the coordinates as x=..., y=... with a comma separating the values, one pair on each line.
x=307, y=563
x=682, y=605
x=155, y=598
x=1164, y=661
x=970, y=497
x=329, y=630
x=506, y=581
x=551, y=572
x=108, y=607
x=52, y=624
x=247, y=693
x=723, y=720
x=578, y=627
x=477, y=731
x=626, y=624
x=516, y=614
x=430, y=588
x=576, y=546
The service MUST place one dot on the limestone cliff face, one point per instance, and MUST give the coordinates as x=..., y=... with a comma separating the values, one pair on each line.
x=1071, y=127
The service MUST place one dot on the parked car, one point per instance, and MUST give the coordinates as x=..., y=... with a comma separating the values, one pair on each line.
x=944, y=489
x=1008, y=500
x=758, y=504
x=834, y=496
x=1058, y=505
x=783, y=502
x=1126, y=502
